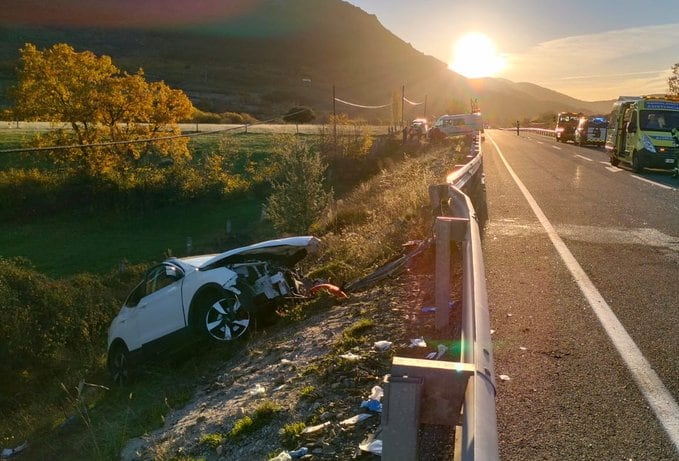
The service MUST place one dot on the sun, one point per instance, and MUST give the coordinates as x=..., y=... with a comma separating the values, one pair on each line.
x=475, y=56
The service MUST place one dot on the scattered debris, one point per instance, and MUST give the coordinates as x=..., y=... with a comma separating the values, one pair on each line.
x=523, y=348
x=312, y=429
x=371, y=445
x=350, y=356
x=418, y=342
x=428, y=309
x=282, y=456
x=9, y=452
x=355, y=419
x=303, y=451
x=257, y=389
x=330, y=289
x=383, y=345
x=504, y=378
x=374, y=400
x=442, y=348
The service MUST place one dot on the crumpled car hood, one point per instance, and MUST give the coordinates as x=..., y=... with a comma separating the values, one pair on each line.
x=281, y=248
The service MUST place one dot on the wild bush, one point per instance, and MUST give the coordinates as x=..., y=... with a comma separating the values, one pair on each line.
x=298, y=196
x=53, y=327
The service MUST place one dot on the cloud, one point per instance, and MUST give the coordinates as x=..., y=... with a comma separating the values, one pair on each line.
x=601, y=66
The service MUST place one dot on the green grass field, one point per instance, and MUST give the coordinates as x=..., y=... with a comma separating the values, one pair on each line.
x=96, y=241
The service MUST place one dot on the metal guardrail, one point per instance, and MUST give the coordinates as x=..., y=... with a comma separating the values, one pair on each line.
x=540, y=131
x=437, y=392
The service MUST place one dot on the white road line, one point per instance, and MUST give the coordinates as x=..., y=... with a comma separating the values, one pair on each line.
x=658, y=397
x=555, y=147
x=613, y=169
x=653, y=182
x=540, y=142
x=584, y=158
x=604, y=163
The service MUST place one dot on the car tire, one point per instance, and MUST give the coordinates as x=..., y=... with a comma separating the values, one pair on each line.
x=226, y=316
x=614, y=160
x=637, y=167
x=119, y=364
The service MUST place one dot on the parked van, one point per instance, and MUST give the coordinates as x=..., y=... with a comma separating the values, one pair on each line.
x=591, y=130
x=643, y=132
x=460, y=124
x=566, y=123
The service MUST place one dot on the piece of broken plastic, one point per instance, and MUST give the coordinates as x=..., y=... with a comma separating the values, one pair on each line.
x=282, y=456
x=312, y=429
x=371, y=445
x=383, y=345
x=504, y=378
x=376, y=393
x=257, y=389
x=429, y=309
x=9, y=452
x=431, y=355
x=372, y=405
x=350, y=356
x=418, y=342
x=442, y=348
x=355, y=419
x=303, y=451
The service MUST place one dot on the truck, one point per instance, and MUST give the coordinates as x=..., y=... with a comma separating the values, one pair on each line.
x=566, y=123
x=642, y=132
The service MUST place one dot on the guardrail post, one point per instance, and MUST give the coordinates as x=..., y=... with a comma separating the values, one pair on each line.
x=447, y=230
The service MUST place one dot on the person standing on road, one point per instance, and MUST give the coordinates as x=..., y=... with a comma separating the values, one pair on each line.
x=517, y=127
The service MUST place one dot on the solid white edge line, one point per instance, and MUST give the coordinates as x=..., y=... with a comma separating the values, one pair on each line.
x=650, y=385
x=556, y=147
x=653, y=182
x=584, y=158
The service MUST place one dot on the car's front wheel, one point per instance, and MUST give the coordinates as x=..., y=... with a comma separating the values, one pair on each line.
x=119, y=364
x=637, y=166
x=225, y=316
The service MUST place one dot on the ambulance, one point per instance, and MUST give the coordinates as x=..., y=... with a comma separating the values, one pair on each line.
x=643, y=131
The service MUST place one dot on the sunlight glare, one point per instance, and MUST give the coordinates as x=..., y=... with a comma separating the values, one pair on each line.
x=475, y=56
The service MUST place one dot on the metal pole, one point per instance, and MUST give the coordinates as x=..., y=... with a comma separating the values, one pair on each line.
x=425, y=106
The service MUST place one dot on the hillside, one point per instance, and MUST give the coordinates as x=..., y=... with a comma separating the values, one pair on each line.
x=288, y=52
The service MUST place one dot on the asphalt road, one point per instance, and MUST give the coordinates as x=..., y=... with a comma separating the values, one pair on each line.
x=580, y=385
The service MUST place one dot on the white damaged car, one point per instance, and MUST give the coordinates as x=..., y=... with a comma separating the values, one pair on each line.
x=210, y=296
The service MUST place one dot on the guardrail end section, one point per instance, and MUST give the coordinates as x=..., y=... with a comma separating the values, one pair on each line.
x=401, y=418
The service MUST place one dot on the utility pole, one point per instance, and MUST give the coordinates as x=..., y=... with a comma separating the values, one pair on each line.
x=403, y=102
x=334, y=117
x=425, y=106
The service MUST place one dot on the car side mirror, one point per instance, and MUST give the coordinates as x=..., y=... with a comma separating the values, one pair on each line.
x=173, y=272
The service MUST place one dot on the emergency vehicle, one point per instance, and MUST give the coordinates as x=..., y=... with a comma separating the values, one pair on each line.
x=643, y=132
x=566, y=123
x=591, y=130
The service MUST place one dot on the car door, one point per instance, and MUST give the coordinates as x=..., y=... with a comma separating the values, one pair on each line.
x=159, y=311
x=631, y=135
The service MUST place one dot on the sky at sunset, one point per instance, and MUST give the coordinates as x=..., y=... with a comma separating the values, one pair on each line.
x=588, y=49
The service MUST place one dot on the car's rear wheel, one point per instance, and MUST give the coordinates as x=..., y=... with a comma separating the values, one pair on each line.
x=614, y=160
x=226, y=316
x=119, y=364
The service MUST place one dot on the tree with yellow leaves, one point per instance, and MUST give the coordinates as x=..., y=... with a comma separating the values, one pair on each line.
x=108, y=111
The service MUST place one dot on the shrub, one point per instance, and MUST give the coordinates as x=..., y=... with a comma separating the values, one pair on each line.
x=299, y=196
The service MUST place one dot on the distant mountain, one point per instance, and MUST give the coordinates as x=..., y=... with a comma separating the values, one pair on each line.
x=294, y=52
